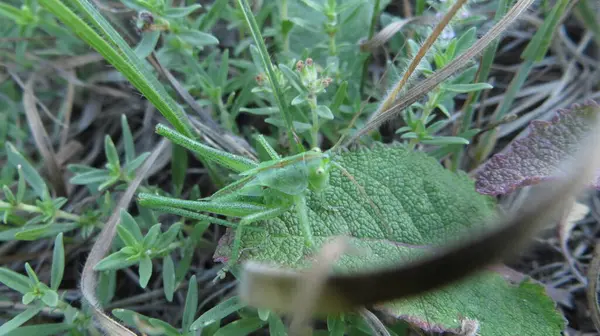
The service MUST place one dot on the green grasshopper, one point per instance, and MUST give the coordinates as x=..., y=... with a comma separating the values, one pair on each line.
x=264, y=191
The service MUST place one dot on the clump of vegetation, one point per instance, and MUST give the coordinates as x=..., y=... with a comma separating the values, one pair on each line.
x=164, y=143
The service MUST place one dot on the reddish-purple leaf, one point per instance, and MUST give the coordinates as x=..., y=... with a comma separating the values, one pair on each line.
x=536, y=157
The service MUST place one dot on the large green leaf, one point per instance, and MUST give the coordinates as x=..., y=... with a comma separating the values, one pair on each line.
x=419, y=205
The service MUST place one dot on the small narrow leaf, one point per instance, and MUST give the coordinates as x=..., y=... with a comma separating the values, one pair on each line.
x=465, y=88
x=292, y=77
x=45, y=329
x=11, y=12
x=19, y=320
x=136, y=163
x=147, y=43
x=107, y=285
x=145, y=270
x=167, y=329
x=127, y=140
x=178, y=12
x=191, y=304
x=151, y=236
x=169, y=236
x=260, y=110
x=131, y=225
x=58, y=262
x=50, y=298
x=168, y=274
x=28, y=298
x=241, y=327
x=179, y=166
x=218, y=312
x=117, y=260
x=31, y=274
x=197, y=38
x=127, y=237
x=324, y=112
x=29, y=172
x=299, y=99
x=443, y=140
x=14, y=280
x=129, y=316
x=340, y=96
x=91, y=177
x=112, y=156
x=21, y=186
x=465, y=41
x=34, y=232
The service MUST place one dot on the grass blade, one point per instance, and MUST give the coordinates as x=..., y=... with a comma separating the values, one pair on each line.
x=99, y=34
x=270, y=72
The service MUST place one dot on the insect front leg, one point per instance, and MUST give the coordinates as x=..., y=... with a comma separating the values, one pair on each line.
x=302, y=212
x=237, y=240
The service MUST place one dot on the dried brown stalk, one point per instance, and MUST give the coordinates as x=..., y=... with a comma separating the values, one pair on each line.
x=41, y=139
x=102, y=246
x=391, y=97
x=459, y=63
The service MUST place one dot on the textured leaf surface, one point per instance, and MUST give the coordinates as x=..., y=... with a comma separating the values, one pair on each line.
x=536, y=157
x=420, y=205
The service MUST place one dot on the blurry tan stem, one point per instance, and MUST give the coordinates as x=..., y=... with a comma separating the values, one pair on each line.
x=311, y=287
x=41, y=139
x=391, y=97
x=459, y=63
x=103, y=244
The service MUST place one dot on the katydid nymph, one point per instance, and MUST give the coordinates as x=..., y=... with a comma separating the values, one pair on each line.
x=264, y=190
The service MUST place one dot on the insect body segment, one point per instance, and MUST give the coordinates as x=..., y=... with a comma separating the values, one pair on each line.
x=265, y=190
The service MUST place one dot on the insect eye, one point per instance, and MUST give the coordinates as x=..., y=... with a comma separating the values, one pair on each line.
x=320, y=171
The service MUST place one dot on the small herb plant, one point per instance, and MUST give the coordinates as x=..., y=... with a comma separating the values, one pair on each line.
x=255, y=100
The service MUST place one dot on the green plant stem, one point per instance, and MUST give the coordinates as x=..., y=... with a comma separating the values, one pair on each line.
x=283, y=16
x=224, y=114
x=367, y=59
x=482, y=75
x=332, y=45
x=314, y=131
x=266, y=61
x=589, y=17
x=34, y=209
x=489, y=139
x=420, y=7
